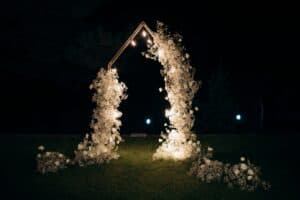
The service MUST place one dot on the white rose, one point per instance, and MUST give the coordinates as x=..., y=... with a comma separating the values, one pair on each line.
x=198, y=142
x=249, y=178
x=243, y=166
x=60, y=155
x=187, y=55
x=196, y=108
x=41, y=148
x=84, y=153
x=198, y=149
x=39, y=155
x=57, y=163
x=207, y=161
x=160, y=140
x=210, y=149
x=242, y=159
x=68, y=160
x=160, y=89
x=48, y=153
x=80, y=146
x=87, y=136
x=236, y=171
x=202, y=166
x=250, y=172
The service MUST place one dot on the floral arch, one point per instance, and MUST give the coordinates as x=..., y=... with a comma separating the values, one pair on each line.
x=178, y=142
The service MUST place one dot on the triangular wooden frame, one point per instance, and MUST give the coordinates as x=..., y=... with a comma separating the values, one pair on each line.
x=140, y=27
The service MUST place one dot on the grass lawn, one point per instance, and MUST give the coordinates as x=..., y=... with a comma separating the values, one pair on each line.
x=136, y=176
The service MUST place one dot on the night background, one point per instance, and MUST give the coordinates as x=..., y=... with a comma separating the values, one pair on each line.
x=245, y=54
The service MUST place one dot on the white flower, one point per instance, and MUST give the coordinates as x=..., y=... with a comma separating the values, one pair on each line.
x=236, y=171
x=207, y=161
x=39, y=155
x=170, y=42
x=160, y=89
x=85, y=153
x=196, y=108
x=87, y=136
x=187, y=56
x=56, y=163
x=190, y=142
x=242, y=159
x=160, y=140
x=202, y=166
x=243, y=167
x=91, y=155
x=68, y=160
x=60, y=155
x=41, y=148
x=198, y=142
x=198, y=149
x=249, y=178
x=80, y=146
x=48, y=153
x=210, y=149
x=250, y=172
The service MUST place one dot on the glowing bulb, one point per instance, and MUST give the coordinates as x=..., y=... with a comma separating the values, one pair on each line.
x=148, y=121
x=144, y=33
x=133, y=43
x=238, y=117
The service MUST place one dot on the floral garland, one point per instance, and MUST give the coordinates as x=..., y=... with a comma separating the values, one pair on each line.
x=178, y=141
x=102, y=146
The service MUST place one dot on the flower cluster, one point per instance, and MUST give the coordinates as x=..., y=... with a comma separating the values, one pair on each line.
x=178, y=141
x=243, y=175
x=205, y=169
x=103, y=144
x=50, y=161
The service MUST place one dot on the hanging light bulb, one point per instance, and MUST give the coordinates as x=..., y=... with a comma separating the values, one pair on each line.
x=133, y=43
x=144, y=33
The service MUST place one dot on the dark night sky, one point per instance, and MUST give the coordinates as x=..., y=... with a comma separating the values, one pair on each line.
x=51, y=51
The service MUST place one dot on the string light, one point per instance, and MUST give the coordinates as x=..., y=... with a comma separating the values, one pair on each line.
x=144, y=33
x=133, y=43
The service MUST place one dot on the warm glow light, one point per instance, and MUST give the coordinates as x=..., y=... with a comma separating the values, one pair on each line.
x=238, y=117
x=133, y=43
x=144, y=33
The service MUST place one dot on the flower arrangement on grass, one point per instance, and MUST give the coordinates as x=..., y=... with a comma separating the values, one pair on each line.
x=51, y=161
x=243, y=175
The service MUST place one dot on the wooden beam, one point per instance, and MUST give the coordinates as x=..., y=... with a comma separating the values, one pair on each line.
x=128, y=41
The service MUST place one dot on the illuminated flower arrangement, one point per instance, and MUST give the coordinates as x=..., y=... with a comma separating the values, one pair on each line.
x=178, y=141
x=51, y=161
x=102, y=144
x=244, y=175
